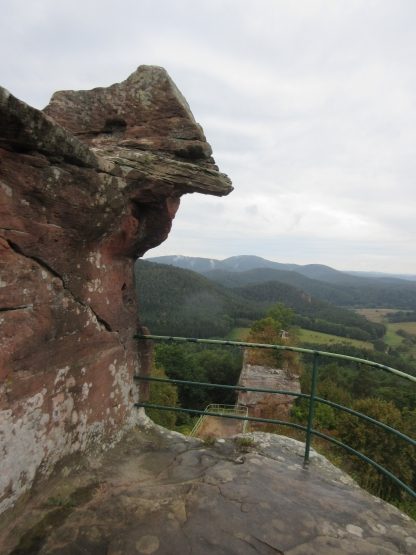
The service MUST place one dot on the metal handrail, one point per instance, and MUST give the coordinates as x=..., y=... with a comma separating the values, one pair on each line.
x=281, y=392
x=277, y=348
x=225, y=409
x=313, y=398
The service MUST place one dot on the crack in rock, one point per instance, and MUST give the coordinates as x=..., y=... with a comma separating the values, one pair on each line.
x=55, y=274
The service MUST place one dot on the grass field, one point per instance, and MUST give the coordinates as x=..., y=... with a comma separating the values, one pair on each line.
x=410, y=327
x=305, y=337
x=391, y=337
x=394, y=340
x=309, y=336
x=238, y=334
x=375, y=314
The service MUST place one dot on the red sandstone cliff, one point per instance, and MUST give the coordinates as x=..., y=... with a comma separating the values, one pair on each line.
x=86, y=186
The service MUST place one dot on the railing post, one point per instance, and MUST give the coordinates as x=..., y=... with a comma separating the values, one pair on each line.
x=314, y=380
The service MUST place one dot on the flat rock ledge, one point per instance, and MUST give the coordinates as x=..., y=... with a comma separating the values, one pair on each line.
x=163, y=493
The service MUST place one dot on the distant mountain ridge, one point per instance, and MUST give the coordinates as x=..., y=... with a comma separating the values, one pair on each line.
x=177, y=301
x=244, y=263
x=323, y=282
x=383, y=275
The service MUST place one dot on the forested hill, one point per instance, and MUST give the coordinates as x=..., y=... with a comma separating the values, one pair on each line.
x=312, y=313
x=174, y=301
x=322, y=290
x=321, y=281
x=249, y=262
x=394, y=294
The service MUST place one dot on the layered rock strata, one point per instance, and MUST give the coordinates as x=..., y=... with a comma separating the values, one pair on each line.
x=86, y=186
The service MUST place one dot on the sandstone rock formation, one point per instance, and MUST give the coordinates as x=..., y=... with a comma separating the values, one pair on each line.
x=159, y=492
x=267, y=405
x=86, y=186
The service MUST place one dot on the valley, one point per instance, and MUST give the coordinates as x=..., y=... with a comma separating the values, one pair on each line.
x=307, y=337
x=371, y=318
x=210, y=298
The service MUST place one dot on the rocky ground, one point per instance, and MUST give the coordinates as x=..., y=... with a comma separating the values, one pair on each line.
x=160, y=492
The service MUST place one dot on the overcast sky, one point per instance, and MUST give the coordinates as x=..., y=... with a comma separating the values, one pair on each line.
x=309, y=106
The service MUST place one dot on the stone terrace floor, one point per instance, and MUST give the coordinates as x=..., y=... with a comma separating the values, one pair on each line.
x=159, y=492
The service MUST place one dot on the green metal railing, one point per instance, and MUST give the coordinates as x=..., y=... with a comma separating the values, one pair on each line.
x=312, y=397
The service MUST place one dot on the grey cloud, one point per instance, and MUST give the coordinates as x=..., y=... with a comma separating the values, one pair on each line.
x=309, y=106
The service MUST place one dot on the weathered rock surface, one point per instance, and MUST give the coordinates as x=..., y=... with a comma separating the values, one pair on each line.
x=85, y=187
x=159, y=492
